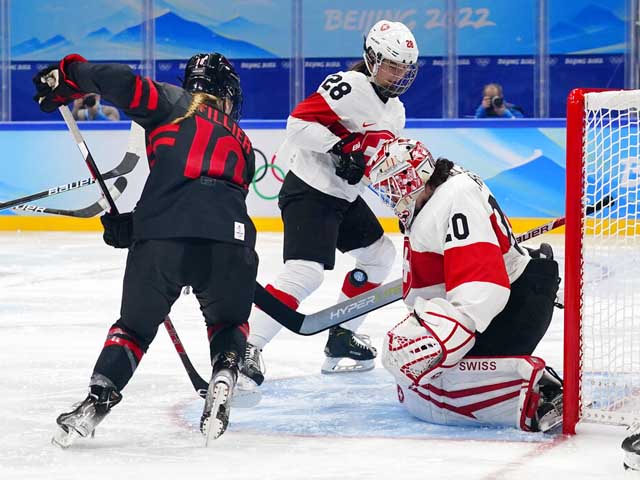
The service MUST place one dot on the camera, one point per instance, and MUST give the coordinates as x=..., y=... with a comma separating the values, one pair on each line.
x=497, y=102
x=89, y=101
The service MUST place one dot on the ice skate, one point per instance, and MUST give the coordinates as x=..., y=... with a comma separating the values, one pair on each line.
x=247, y=391
x=217, y=404
x=346, y=351
x=549, y=413
x=85, y=417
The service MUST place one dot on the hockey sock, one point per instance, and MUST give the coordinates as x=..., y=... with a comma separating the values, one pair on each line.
x=263, y=327
x=355, y=282
x=120, y=356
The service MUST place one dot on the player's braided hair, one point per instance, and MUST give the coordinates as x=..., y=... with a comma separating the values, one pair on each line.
x=198, y=99
x=441, y=172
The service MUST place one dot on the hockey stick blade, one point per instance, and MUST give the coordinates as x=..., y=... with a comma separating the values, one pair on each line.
x=329, y=317
x=128, y=163
x=606, y=201
x=92, y=210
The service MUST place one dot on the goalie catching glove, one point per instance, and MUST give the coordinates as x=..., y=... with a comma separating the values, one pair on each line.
x=53, y=85
x=351, y=162
x=427, y=342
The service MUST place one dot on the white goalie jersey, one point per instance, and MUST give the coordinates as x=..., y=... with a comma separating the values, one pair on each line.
x=345, y=103
x=460, y=248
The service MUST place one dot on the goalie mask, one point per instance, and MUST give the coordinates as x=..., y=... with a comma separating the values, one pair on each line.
x=212, y=73
x=391, y=57
x=398, y=174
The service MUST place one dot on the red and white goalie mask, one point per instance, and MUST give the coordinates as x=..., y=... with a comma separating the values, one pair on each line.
x=398, y=173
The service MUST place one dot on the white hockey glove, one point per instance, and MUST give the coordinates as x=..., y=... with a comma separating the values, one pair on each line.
x=427, y=342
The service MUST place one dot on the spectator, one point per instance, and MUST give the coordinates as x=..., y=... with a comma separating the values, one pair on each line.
x=90, y=108
x=494, y=105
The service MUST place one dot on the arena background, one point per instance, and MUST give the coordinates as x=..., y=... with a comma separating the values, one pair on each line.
x=537, y=49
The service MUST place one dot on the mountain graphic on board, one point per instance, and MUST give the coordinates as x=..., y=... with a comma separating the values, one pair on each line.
x=533, y=189
x=174, y=33
x=591, y=28
x=33, y=44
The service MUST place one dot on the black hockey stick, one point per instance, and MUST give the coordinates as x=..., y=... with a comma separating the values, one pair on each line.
x=92, y=210
x=128, y=163
x=373, y=299
x=88, y=158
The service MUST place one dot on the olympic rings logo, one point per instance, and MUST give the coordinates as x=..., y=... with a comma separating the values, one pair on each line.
x=261, y=172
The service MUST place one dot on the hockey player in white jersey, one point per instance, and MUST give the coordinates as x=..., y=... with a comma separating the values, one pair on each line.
x=479, y=302
x=330, y=137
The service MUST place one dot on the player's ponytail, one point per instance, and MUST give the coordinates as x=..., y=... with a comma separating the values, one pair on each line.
x=198, y=99
x=441, y=172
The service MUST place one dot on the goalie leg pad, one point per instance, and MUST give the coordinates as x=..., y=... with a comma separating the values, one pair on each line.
x=496, y=391
x=428, y=342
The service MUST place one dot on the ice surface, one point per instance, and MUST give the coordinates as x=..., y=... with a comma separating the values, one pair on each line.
x=59, y=293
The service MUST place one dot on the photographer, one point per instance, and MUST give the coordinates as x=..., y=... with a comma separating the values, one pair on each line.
x=90, y=108
x=494, y=105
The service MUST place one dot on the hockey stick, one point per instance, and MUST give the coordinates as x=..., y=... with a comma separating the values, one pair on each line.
x=128, y=163
x=606, y=201
x=88, y=158
x=373, y=299
x=92, y=210
x=196, y=380
x=199, y=384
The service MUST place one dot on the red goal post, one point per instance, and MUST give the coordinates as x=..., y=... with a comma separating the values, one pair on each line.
x=602, y=259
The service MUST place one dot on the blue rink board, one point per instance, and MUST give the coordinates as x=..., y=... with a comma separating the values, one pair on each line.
x=349, y=405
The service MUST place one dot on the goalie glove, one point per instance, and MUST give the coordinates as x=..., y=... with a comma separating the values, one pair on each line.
x=53, y=85
x=351, y=162
x=427, y=342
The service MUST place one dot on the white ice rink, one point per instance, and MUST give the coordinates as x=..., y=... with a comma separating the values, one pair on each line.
x=59, y=293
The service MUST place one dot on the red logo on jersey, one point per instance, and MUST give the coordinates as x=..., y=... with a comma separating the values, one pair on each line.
x=365, y=124
x=409, y=43
x=385, y=26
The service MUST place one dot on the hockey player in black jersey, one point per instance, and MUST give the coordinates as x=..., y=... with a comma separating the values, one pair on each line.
x=190, y=226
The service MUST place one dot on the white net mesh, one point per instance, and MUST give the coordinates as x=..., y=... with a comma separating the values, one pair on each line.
x=610, y=390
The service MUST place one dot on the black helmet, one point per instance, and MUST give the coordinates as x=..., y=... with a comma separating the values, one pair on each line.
x=212, y=73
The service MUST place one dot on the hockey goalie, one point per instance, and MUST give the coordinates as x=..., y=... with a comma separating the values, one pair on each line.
x=479, y=302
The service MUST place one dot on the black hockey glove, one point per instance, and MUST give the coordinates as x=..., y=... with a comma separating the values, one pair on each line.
x=351, y=163
x=53, y=86
x=118, y=229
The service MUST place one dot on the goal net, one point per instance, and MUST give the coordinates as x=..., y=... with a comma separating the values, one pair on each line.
x=602, y=270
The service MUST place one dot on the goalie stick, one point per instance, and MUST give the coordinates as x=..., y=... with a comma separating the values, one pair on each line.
x=92, y=210
x=128, y=163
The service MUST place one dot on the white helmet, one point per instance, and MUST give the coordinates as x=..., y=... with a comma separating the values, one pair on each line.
x=391, y=56
x=398, y=173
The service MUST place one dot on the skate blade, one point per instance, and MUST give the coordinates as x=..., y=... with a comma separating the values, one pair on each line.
x=218, y=419
x=346, y=365
x=64, y=439
x=550, y=423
